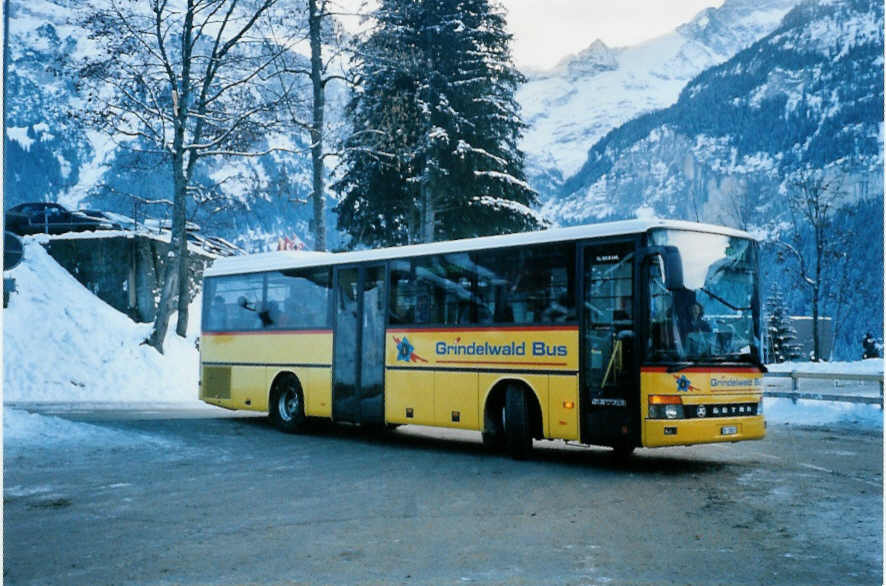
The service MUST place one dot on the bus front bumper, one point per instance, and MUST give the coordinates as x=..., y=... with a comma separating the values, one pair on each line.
x=681, y=432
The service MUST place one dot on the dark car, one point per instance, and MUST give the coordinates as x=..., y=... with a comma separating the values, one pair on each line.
x=51, y=218
x=117, y=221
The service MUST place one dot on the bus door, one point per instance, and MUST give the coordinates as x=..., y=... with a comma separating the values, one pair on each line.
x=358, y=345
x=608, y=376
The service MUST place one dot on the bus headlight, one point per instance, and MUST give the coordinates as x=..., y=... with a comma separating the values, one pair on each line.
x=665, y=407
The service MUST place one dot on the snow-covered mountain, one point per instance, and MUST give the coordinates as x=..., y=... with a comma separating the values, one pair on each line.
x=808, y=95
x=571, y=107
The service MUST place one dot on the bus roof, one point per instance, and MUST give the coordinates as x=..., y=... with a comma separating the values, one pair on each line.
x=286, y=259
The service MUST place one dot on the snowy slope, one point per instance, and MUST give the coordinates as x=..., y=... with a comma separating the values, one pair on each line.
x=571, y=107
x=61, y=343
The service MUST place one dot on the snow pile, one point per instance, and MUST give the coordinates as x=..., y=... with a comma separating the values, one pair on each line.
x=870, y=366
x=810, y=412
x=61, y=343
x=21, y=428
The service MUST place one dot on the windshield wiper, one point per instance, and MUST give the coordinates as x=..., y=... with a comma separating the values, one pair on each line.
x=723, y=301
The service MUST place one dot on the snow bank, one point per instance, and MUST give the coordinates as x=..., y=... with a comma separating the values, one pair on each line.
x=21, y=428
x=62, y=344
x=810, y=412
x=870, y=366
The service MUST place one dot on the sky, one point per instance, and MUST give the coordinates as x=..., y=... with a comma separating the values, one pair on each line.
x=546, y=31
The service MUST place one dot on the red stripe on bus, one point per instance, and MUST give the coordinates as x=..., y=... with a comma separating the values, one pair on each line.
x=711, y=369
x=504, y=363
x=484, y=329
x=266, y=332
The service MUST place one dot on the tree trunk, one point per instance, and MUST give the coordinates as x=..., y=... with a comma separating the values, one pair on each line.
x=427, y=211
x=174, y=260
x=175, y=265
x=184, y=297
x=314, y=19
x=816, y=349
x=164, y=307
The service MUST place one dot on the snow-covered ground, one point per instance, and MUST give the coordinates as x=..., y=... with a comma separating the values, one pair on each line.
x=61, y=344
x=870, y=366
x=812, y=412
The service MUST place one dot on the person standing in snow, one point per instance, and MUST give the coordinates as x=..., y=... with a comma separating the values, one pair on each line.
x=870, y=347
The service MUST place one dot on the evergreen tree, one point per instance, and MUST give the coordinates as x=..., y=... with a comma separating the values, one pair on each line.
x=434, y=152
x=782, y=334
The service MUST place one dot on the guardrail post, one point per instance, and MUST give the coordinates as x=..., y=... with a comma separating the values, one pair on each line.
x=795, y=386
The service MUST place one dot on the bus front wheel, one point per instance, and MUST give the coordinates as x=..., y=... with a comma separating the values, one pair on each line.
x=287, y=406
x=622, y=450
x=518, y=435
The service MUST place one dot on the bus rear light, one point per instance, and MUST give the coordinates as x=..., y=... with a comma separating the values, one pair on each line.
x=568, y=404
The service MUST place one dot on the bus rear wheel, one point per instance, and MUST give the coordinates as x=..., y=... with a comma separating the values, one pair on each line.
x=493, y=429
x=287, y=407
x=518, y=436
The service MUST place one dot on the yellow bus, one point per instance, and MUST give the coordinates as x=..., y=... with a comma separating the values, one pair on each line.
x=624, y=334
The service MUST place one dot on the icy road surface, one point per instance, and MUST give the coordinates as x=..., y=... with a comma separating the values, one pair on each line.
x=125, y=494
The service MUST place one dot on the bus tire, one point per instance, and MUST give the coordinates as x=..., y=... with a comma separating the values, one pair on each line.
x=287, y=406
x=622, y=450
x=518, y=434
x=493, y=429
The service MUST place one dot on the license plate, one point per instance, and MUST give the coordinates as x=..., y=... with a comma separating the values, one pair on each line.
x=728, y=430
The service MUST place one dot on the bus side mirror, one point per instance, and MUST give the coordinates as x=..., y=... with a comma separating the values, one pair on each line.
x=673, y=264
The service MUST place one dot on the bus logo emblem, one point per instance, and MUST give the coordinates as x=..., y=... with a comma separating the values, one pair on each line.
x=405, y=351
x=683, y=384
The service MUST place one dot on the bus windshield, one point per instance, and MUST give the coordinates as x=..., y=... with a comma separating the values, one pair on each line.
x=714, y=317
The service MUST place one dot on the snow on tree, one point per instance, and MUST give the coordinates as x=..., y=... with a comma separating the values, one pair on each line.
x=185, y=80
x=782, y=336
x=813, y=244
x=434, y=153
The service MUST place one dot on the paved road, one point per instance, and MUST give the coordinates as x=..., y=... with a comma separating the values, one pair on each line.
x=198, y=496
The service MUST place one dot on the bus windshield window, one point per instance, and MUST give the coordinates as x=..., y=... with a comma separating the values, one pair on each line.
x=714, y=317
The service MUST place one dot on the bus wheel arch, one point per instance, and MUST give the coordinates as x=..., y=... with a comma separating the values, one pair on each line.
x=517, y=398
x=286, y=403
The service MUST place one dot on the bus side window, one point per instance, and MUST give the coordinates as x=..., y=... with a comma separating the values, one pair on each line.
x=217, y=319
x=530, y=285
x=402, y=293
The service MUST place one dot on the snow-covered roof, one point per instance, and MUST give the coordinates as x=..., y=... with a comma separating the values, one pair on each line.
x=271, y=261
